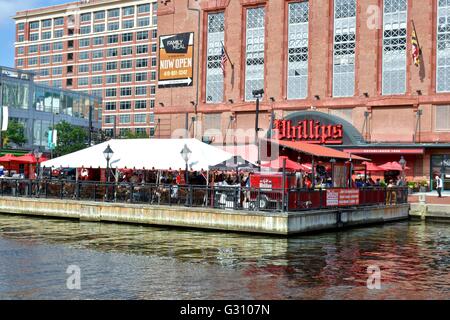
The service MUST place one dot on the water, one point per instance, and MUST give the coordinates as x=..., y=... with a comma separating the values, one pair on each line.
x=138, y=262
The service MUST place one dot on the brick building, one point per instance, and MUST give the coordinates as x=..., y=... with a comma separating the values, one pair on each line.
x=105, y=48
x=346, y=62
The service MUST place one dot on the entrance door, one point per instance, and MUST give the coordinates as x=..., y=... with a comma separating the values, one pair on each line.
x=440, y=165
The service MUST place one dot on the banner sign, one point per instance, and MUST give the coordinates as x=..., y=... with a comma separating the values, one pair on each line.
x=52, y=137
x=4, y=116
x=176, y=55
x=342, y=197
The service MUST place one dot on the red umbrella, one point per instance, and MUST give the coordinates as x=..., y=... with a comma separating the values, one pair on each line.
x=8, y=158
x=30, y=158
x=278, y=164
x=373, y=167
x=393, y=166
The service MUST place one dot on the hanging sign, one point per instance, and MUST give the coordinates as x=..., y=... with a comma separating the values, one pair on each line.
x=342, y=197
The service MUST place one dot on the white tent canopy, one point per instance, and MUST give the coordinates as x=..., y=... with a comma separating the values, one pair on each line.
x=161, y=154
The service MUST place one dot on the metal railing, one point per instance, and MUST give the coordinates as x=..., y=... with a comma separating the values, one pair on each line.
x=218, y=197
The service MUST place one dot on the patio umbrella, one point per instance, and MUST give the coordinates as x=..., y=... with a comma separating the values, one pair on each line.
x=234, y=163
x=372, y=167
x=8, y=158
x=278, y=164
x=392, y=166
x=29, y=158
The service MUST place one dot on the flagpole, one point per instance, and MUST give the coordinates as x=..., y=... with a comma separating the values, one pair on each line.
x=225, y=50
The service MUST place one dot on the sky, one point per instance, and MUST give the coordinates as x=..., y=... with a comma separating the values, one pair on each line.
x=8, y=9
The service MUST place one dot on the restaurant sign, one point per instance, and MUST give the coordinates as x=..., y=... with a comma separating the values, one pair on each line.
x=311, y=131
x=176, y=54
x=342, y=197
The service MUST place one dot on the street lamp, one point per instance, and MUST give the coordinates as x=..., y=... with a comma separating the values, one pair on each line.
x=351, y=171
x=402, y=162
x=258, y=95
x=37, y=155
x=186, y=154
x=108, y=153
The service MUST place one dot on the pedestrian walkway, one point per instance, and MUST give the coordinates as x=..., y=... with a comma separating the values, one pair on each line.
x=430, y=197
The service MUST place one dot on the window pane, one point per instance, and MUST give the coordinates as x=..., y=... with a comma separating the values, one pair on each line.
x=394, y=46
x=344, y=48
x=255, y=40
x=214, y=72
x=297, y=78
x=443, y=47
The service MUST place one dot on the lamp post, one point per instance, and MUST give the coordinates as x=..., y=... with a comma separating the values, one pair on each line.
x=351, y=172
x=258, y=95
x=108, y=153
x=37, y=155
x=402, y=162
x=186, y=154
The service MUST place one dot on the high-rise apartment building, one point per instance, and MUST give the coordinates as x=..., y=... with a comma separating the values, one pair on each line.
x=106, y=48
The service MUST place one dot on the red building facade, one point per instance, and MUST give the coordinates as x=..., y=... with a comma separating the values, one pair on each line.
x=349, y=61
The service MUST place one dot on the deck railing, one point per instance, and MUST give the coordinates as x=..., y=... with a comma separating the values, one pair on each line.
x=219, y=197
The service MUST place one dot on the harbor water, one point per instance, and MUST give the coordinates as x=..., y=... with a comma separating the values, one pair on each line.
x=116, y=261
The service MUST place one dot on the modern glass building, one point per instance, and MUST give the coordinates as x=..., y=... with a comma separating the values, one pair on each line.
x=39, y=107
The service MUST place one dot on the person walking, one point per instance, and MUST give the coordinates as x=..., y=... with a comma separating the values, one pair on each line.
x=439, y=186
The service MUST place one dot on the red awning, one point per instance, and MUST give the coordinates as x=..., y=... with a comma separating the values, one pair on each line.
x=316, y=150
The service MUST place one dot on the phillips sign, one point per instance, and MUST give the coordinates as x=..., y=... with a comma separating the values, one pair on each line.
x=310, y=131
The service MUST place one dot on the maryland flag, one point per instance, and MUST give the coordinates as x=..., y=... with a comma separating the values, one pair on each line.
x=415, y=49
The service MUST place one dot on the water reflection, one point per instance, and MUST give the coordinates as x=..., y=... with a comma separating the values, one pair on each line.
x=137, y=262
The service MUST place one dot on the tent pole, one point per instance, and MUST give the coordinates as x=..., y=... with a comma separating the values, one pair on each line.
x=283, y=196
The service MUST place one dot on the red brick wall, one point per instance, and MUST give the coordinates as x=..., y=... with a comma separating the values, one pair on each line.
x=399, y=111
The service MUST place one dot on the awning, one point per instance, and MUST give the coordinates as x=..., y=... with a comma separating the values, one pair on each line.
x=317, y=150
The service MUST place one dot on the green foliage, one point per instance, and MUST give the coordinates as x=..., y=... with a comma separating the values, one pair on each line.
x=132, y=135
x=15, y=133
x=424, y=183
x=70, y=138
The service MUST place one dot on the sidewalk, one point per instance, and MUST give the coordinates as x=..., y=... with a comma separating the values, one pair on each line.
x=431, y=197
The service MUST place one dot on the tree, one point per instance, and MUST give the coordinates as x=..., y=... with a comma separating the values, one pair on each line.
x=14, y=134
x=70, y=138
x=131, y=135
